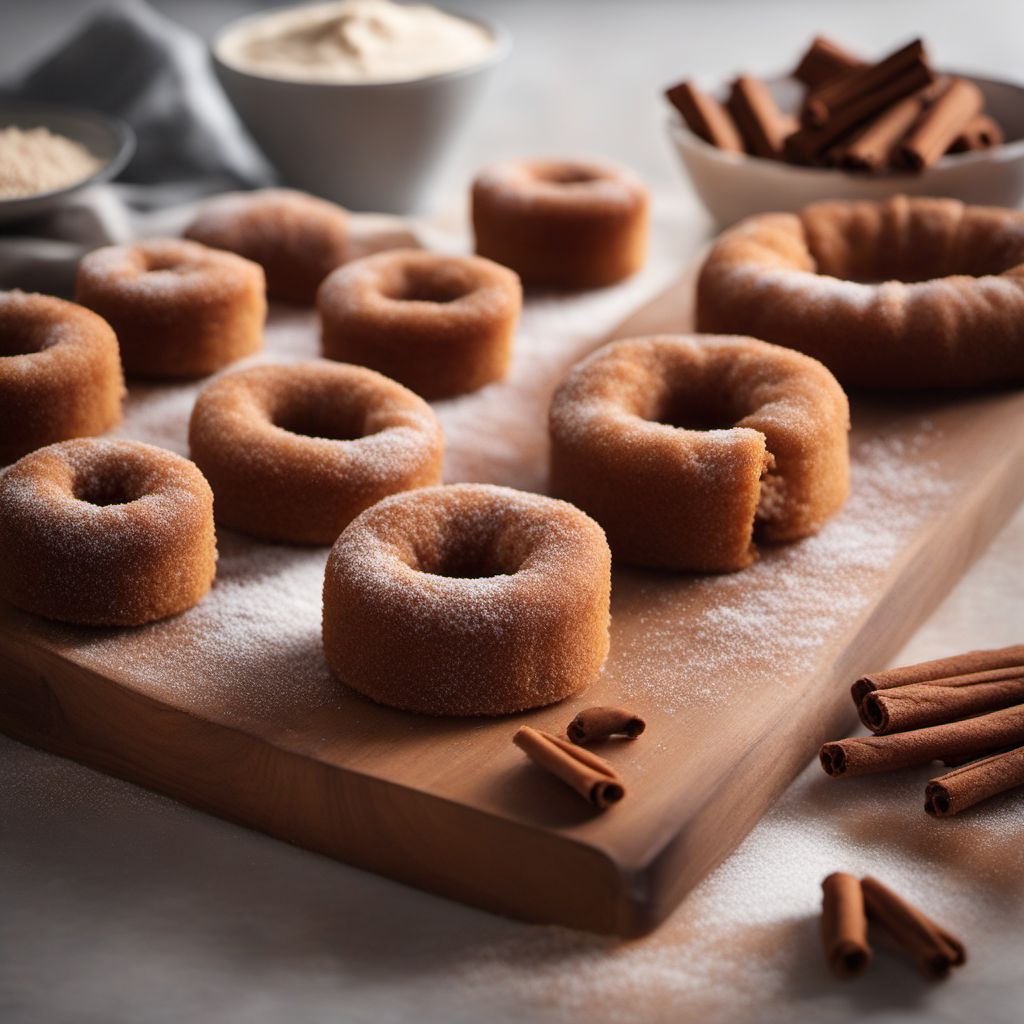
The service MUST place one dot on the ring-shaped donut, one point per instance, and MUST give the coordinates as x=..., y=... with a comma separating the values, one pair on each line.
x=562, y=224
x=105, y=533
x=295, y=452
x=296, y=238
x=908, y=293
x=678, y=445
x=441, y=325
x=60, y=374
x=468, y=600
x=178, y=308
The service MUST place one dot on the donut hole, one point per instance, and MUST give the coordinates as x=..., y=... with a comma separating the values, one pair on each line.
x=874, y=267
x=694, y=408
x=689, y=415
x=472, y=553
x=911, y=251
x=22, y=338
x=565, y=174
x=108, y=488
x=469, y=563
x=155, y=262
x=437, y=284
x=324, y=421
x=160, y=259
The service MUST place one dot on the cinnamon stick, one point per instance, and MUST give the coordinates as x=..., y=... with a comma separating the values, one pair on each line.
x=940, y=668
x=706, y=117
x=844, y=925
x=867, y=755
x=598, y=723
x=968, y=785
x=941, y=123
x=824, y=60
x=933, y=948
x=762, y=125
x=591, y=776
x=874, y=146
x=808, y=143
x=943, y=700
x=982, y=132
x=830, y=99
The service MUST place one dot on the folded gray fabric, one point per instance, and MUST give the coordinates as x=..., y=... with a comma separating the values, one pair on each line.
x=130, y=61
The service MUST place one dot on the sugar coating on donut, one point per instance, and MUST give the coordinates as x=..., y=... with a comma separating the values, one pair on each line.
x=561, y=183
x=297, y=238
x=470, y=599
x=60, y=373
x=105, y=532
x=440, y=324
x=294, y=452
x=681, y=445
x=906, y=293
x=179, y=308
x=561, y=223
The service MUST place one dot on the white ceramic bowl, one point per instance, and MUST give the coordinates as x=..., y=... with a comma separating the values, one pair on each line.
x=733, y=186
x=368, y=146
x=109, y=139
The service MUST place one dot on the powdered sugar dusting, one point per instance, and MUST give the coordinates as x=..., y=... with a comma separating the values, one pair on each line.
x=252, y=647
x=674, y=638
x=745, y=944
x=781, y=610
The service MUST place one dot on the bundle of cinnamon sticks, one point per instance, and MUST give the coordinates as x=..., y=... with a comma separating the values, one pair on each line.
x=894, y=114
x=966, y=711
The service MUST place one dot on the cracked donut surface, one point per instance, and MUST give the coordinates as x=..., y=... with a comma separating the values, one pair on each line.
x=686, y=447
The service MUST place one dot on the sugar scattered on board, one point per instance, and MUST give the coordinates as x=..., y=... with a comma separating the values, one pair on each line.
x=265, y=606
x=775, y=615
x=252, y=646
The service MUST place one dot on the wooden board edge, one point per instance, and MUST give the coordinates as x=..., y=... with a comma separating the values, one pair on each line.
x=691, y=852
x=390, y=829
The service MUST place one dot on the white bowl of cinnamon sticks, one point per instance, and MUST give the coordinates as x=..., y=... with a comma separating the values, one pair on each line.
x=839, y=127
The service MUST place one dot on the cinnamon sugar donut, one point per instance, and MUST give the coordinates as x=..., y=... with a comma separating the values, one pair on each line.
x=680, y=445
x=105, y=533
x=468, y=600
x=179, y=309
x=906, y=293
x=562, y=224
x=293, y=453
x=60, y=375
x=297, y=238
x=441, y=325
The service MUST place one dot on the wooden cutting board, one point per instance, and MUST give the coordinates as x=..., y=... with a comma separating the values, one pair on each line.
x=230, y=708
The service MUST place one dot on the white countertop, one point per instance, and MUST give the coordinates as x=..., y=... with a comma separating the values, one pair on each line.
x=120, y=906
x=117, y=905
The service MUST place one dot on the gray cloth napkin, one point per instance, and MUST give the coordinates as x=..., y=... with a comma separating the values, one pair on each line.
x=131, y=61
